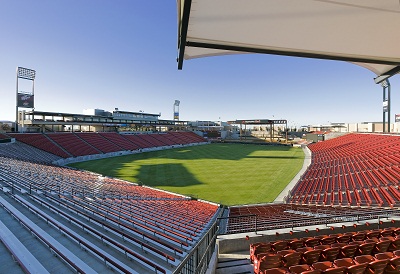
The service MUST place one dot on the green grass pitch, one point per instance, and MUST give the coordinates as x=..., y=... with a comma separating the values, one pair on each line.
x=229, y=174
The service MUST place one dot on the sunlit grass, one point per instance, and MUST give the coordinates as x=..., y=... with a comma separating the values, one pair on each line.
x=230, y=174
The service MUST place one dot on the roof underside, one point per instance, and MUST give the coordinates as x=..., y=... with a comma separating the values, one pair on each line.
x=365, y=32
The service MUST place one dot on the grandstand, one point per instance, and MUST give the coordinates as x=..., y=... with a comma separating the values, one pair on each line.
x=127, y=227
x=351, y=185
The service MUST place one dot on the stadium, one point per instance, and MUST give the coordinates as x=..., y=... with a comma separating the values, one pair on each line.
x=77, y=193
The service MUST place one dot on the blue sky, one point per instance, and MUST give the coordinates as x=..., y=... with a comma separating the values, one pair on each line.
x=122, y=53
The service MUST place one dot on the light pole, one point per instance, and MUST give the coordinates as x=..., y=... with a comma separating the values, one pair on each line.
x=24, y=100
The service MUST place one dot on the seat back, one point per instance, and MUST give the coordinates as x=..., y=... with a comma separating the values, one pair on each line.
x=310, y=257
x=348, y=251
x=344, y=262
x=295, y=244
x=330, y=254
x=364, y=259
x=275, y=271
x=259, y=248
x=328, y=240
x=297, y=269
x=267, y=261
x=279, y=245
x=345, y=238
x=322, y=265
x=373, y=234
x=335, y=270
x=357, y=269
x=381, y=246
x=378, y=266
x=365, y=248
x=311, y=242
x=359, y=236
x=291, y=259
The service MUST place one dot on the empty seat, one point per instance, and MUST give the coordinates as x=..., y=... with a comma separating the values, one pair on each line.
x=328, y=240
x=328, y=268
x=275, y=271
x=389, y=231
x=291, y=259
x=365, y=248
x=373, y=234
x=395, y=244
x=311, y=256
x=375, y=266
x=297, y=269
x=359, y=236
x=258, y=248
x=311, y=242
x=279, y=245
x=393, y=266
x=267, y=261
x=296, y=243
x=330, y=254
x=381, y=246
x=322, y=265
x=304, y=249
x=347, y=251
x=344, y=238
x=351, y=266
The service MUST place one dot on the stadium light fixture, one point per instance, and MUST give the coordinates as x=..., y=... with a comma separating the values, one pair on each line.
x=385, y=83
x=25, y=73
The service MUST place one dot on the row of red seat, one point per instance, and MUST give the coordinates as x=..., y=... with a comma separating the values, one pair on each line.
x=325, y=252
x=272, y=216
x=355, y=169
x=68, y=144
x=154, y=208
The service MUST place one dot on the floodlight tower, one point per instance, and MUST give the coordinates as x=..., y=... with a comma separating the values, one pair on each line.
x=176, y=110
x=24, y=98
x=386, y=103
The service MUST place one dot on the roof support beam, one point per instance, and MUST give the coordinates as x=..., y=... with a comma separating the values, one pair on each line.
x=387, y=75
x=290, y=53
x=183, y=31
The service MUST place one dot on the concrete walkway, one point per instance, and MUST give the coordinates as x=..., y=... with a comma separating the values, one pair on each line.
x=306, y=163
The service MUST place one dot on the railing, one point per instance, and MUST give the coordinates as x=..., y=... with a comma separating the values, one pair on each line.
x=254, y=223
x=198, y=259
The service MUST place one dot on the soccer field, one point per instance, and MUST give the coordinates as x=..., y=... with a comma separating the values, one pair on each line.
x=229, y=174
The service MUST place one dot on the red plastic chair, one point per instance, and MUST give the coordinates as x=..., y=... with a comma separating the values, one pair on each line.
x=377, y=266
x=389, y=231
x=373, y=233
x=258, y=248
x=311, y=242
x=328, y=268
x=351, y=266
x=328, y=240
x=322, y=265
x=393, y=266
x=266, y=262
x=291, y=259
x=279, y=245
x=359, y=236
x=344, y=238
x=310, y=257
x=297, y=269
x=330, y=254
x=296, y=243
x=381, y=246
x=365, y=248
x=348, y=251
x=275, y=271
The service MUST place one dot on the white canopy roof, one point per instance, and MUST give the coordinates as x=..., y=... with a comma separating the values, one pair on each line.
x=365, y=32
